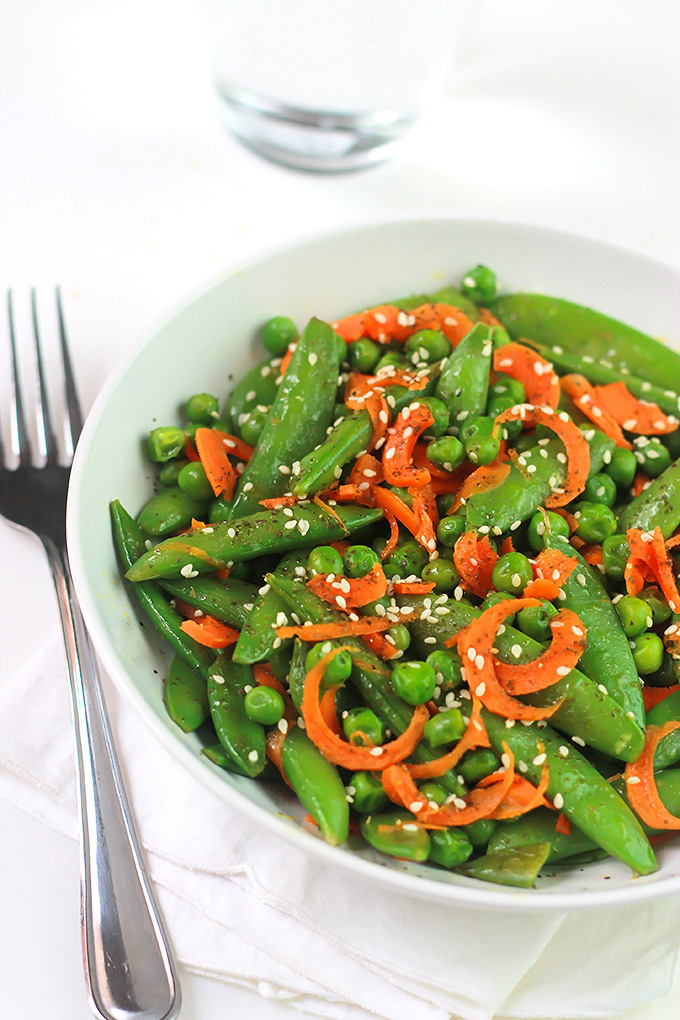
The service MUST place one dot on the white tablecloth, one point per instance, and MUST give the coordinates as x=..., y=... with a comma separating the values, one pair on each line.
x=117, y=182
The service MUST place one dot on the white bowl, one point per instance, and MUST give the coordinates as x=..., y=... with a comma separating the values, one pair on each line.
x=206, y=345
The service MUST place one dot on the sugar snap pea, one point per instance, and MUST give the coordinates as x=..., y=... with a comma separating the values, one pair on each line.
x=590, y=335
x=318, y=785
x=129, y=543
x=396, y=833
x=258, y=638
x=230, y=600
x=243, y=739
x=517, y=866
x=656, y=506
x=464, y=382
x=185, y=695
x=167, y=511
x=258, y=386
x=301, y=413
x=607, y=659
x=259, y=533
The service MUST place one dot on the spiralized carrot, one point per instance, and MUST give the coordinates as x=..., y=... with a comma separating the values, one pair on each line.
x=637, y=416
x=475, y=559
x=563, y=825
x=331, y=631
x=586, y=399
x=475, y=646
x=366, y=473
x=350, y=592
x=397, y=457
x=652, y=696
x=641, y=786
x=555, y=565
x=413, y=587
x=210, y=632
x=523, y=796
x=387, y=322
x=568, y=644
x=540, y=381
x=575, y=445
x=480, y=802
x=339, y=751
x=649, y=560
x=378, y=409
x=213, y=454
x=415, y=520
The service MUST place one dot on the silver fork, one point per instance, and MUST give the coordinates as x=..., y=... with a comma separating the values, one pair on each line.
x=129, y=969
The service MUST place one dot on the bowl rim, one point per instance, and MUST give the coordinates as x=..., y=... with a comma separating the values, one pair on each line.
x=480, y=896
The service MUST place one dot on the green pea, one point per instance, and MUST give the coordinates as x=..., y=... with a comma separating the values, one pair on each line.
x=414, y=681
x=337, y=670
x=433, y=793
x=407, y=559
x=324, y=559
x=622, y=467
x=665, y=676
x=512, y=573
x=427, y=345
x=447, y=668
x=169, y=473
x=449, y=847
x=447, y=452
x=401, y=636
x=651, y=455
x=505, y=386
x=595, y=522
x=480, y=832
x=439, y=412
x=481, y=445
x=371, y=608
x=479, y=284
x=362, y=727
x=278, y=333
x=359, y=560
x=167, y=511
x=542, y=522
x=193, y=480
x=600, y=489
x=535, y=620
x=264, y=705
x=394, y=359
x=444, y=728
x=363, y=355
x=658, y=606
x=191, y=430
x=202, y=408
x=367, y=793
x=500, y=337
x=396, y=833
x=635, y=616
x=648, y=653
x=450, y=529
x=165, y=443
x=442, y=572
x=494, y=598
x=220, y=511
x=615, y=553
x=252, y=428
x=475, y=765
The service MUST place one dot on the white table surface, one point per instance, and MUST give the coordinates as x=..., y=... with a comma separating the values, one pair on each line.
x=117, y=182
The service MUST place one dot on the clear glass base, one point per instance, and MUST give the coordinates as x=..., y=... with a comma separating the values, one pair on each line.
x=310, y=139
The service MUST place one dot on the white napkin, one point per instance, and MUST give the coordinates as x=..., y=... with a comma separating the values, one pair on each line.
x=245, y=907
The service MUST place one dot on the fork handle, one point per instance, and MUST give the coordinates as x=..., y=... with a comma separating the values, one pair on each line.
x=129, y=969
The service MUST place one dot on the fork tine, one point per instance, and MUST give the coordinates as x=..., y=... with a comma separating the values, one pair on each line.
x=19, y=440
x=46, y=436
x=74, y=422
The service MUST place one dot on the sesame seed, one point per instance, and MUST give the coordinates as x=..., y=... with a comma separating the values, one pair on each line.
x=416, y=806
x=218, y=678
x=579, y=741
x=516, y=650
x=376, y=752
x=563, y=671
x=564, y=751
x=188, y=570
x=430, y=641
x=632, y=780
x=253, y=756
x=558, y=801
x=283, y=725
x=480, y=689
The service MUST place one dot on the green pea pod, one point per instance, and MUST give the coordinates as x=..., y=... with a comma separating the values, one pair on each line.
x=608, y=659
x=538, y=826
x=258, y=637
x=317, y=784
x=263, y=532
x=230, y=601
x=370, y=675
x=588, y=800
x=218, y=756
x=243, y=739
x=449, y=847
x=586, y=711
x=601, y=448
x=396, y=833
x=185, y=696
x=301, y=413
x=464, y=382
x=130, y=544
x=517, y=866
x=589, y=335
x=258, y=386
x=656, y=506
x=520, y=492
x=668, y=748
x=167, y=511
x=297, y=673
